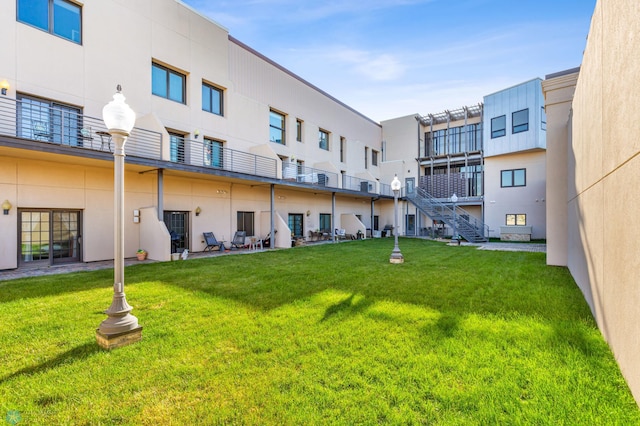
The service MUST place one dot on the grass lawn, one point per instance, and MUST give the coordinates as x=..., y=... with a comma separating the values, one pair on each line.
x=329, y=334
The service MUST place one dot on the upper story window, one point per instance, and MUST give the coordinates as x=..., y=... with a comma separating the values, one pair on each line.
x=543, y=118
x=212, y=99
x=50, y=121
x=177, y=147
x=498, y=126
x=520, y=120
x=213, y=153
x=168, y=83
x=374, y=157
x=366, y=157
x=509, y=178
x=343, y=149
x=323, y=139
x=299, y=130
x=276, y=127
x=58, y=17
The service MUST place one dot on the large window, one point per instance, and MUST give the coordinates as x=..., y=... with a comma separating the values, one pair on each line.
x=520, y=121
x=176, y=147
x=295, y=224
x=276, y=127
x=498, y=126
x=325, y=222
x=168, y=83
x=212, y=99
x=49, y=121
x=213, y=153
x=517, y=177
x=58, y=17
x=323, y=139
x=516, y=220
x=245, y=222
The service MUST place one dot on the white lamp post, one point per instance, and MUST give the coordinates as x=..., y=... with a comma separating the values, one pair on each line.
x=396, y=256
x=120, y=328
x=454, y=237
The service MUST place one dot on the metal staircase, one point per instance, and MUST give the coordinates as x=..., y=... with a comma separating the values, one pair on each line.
x=470, y=228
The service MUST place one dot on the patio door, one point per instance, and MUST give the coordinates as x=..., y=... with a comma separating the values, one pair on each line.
x=178, y=226
x=410, y=224
x=295, y=224
x=49, y=236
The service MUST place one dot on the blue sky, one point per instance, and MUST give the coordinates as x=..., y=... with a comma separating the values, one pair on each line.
x=390, y=58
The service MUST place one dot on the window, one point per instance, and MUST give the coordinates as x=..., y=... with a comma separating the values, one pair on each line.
x=325, y=222
x=58, y=17
x=245, y=222
x=49, y=121
x=543, y=118
x=176, y=147
x=212, y=99
x=366, y=159
x=520, y=121
x=276, y=127
x=299, y=130
x=517, y=177
x=213, y=153
x=168, y=83
x=323, y=139
x=498, y=126
x=343, y=149
x=516, y=220
x=374, y=157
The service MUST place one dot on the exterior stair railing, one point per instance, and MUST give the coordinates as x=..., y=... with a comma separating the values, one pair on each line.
x=470, y=228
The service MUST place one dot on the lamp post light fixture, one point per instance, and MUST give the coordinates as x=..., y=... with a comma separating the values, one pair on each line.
x=454, y=237
x=396, y=256
x=120, y=328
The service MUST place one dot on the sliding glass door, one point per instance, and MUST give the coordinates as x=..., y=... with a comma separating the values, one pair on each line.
x=50, y=236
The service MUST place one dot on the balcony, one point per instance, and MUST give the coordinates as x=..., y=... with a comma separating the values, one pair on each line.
x=66, y=126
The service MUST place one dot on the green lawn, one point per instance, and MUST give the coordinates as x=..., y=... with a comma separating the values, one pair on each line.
x=330, y=334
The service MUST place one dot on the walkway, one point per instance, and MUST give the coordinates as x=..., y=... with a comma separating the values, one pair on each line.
x=38, y=270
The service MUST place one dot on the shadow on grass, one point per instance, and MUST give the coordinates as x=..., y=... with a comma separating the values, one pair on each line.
x=347, y=306
x=73, y=355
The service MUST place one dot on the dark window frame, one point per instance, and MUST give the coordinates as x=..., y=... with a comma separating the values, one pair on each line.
x=299, y=124
x=515, y=219
x=498, y=132
x=323, y=226
x=168, y=73
x=374, y=157
x=246, y=222
x=273, y=127
x=323, y=142
x=51, y=19
x=220, y=104
x=517, y=123
x=512, y=176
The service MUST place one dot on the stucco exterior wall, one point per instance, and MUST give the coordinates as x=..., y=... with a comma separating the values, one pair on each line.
x=529, y=199
x=558, y=93
x=603, y=197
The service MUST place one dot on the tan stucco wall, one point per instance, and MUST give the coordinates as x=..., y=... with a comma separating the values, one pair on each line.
x=603, y=196
x=529, y=199
x=558, y=93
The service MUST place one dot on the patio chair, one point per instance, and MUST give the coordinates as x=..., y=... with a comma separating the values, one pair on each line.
x=40, y=130
x=211, y=242
x=238, y=239
x=266, y=242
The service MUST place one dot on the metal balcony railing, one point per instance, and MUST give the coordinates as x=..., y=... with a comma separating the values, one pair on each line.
x=64, y=126
x=308, y=175
x=358, y=184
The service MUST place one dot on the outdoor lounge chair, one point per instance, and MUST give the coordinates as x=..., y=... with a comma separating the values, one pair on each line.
x=238, y=239
x=266, y=242
x=211, y=242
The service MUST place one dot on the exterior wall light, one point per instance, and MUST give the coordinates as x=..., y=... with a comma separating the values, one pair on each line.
x=4, y=86
x=6, y=206
x=198, y=211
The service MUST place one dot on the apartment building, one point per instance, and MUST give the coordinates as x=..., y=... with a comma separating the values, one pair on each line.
x=515, y=162
x=483, y=164
x=225, y=139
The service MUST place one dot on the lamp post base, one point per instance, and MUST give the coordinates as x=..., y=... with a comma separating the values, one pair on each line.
x=396, y=258
x=118, y=340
